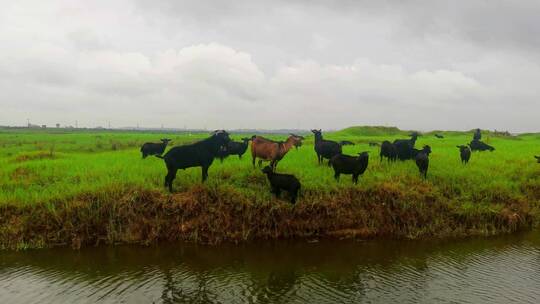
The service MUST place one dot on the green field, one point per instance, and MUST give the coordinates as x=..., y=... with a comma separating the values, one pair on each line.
x=51, y=170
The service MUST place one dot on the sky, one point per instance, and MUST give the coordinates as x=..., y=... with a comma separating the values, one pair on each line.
x=423, y=65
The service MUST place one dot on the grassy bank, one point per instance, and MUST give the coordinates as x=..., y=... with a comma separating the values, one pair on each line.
x=84, y=188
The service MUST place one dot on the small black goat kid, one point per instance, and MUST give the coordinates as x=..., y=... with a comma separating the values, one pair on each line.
x=465, y=153
x=286, y=182
x=199, y=154
x=439, y=135
x=325, y=148
x=234, y=148
x=537, y=158
x=388, y=150
x=346, y=164
x=154, y=148
x=422, y=160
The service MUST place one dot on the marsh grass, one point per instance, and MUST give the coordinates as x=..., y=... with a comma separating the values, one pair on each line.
x=52, y=171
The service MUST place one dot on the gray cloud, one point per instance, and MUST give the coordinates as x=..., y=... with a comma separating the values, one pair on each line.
x=421, y=65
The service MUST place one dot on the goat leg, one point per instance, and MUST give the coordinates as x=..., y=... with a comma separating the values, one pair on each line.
x=204, y=173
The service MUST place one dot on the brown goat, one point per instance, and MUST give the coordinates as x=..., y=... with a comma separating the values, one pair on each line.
x=269, y=150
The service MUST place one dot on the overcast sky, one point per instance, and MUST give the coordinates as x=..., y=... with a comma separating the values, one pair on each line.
x=271, y=64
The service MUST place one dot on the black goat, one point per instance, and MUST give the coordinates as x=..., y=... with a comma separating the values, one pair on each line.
x=325, y=148
x=537, y=158
x=405, y=147
x=477, y=145
x=388, y=150
x=154, y=148
x=465, y=154
x=278, y=182
x=234, y=148
x=422, y=160
x=346, y=143
x=439, y=136
x=199, y=154
x=346, y=164
x=477, y=135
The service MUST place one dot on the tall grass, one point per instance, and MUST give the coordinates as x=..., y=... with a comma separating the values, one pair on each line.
x=52, y=169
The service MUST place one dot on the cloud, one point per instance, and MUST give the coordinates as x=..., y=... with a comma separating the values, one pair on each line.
x=191, y=81
x=367, y=92
x=212, y=85
x=260, y=65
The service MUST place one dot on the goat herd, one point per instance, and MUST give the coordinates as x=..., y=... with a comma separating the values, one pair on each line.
x=219, y=145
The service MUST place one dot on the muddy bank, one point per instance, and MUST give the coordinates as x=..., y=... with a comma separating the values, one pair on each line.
x=223, y=214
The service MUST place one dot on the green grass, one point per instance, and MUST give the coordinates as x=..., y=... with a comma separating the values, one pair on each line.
x=38, y=167
x=56, y=167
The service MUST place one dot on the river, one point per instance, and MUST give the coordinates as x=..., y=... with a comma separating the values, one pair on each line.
x=502, y=269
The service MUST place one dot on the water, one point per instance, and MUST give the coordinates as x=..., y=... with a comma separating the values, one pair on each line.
x=495, y=270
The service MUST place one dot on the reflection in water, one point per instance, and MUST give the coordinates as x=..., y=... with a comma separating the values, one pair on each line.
x=496, y=270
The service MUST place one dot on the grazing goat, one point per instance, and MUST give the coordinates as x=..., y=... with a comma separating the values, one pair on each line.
x=280, y=182
x=374, y=144
x=388, y=150
x=154, y=148
x=346, y=143
x=199, y=154
x=465, y=154
x=477, y=145
x=422, y=160
x=234, y=148
x=325, y=148
x=537, y=158
x=439, y=136
x=405, y=147
x=269, y=150
x=346, y=164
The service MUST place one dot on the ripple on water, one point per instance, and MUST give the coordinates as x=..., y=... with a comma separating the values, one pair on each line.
x=472, y=271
